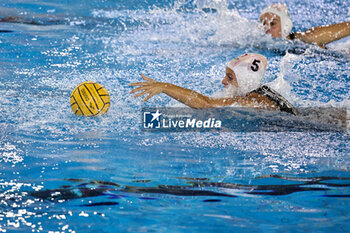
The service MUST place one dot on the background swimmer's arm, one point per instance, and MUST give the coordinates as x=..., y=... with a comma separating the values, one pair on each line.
x=323, y=35
x=194, y=99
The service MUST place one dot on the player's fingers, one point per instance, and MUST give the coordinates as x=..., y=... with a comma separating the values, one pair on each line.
x=152, y=92
x=141, y=94
x=139, y=89
x=139, y=84
x=147, y=98
x=147, y=79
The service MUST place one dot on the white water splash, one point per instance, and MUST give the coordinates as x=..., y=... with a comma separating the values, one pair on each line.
x=280, y=84
x=342, y=46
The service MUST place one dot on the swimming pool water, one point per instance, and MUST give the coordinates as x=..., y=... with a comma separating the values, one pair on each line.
x=64, y=173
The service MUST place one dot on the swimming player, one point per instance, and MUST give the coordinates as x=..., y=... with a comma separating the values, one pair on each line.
x=242, y=84
x=277, y=22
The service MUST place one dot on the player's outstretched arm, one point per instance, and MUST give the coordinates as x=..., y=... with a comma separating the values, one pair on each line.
x=322, y=35
x=189, y=97
x=192, y=98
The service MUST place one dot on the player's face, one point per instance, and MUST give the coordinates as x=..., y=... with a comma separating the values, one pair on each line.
x=272, y=24
x=230, y=78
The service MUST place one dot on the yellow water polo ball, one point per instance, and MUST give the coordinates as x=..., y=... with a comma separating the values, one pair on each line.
x=90, y=99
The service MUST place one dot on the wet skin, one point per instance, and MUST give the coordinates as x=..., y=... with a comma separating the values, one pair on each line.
x=230, y=78
x=272, y=24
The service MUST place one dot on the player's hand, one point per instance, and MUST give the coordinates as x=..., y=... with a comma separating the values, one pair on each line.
x=150, y=87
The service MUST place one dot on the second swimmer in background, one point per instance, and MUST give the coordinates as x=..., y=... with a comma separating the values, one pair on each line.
x=278, y=24
x=242, y=86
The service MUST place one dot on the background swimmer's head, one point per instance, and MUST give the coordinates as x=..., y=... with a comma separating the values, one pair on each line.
x=245, y=73
x=276, y=20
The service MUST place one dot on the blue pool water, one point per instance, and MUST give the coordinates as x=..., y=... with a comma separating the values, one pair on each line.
x=64, y=173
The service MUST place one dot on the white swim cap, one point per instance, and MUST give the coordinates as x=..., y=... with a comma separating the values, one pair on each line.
x=280, y=10
x=249, y=70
